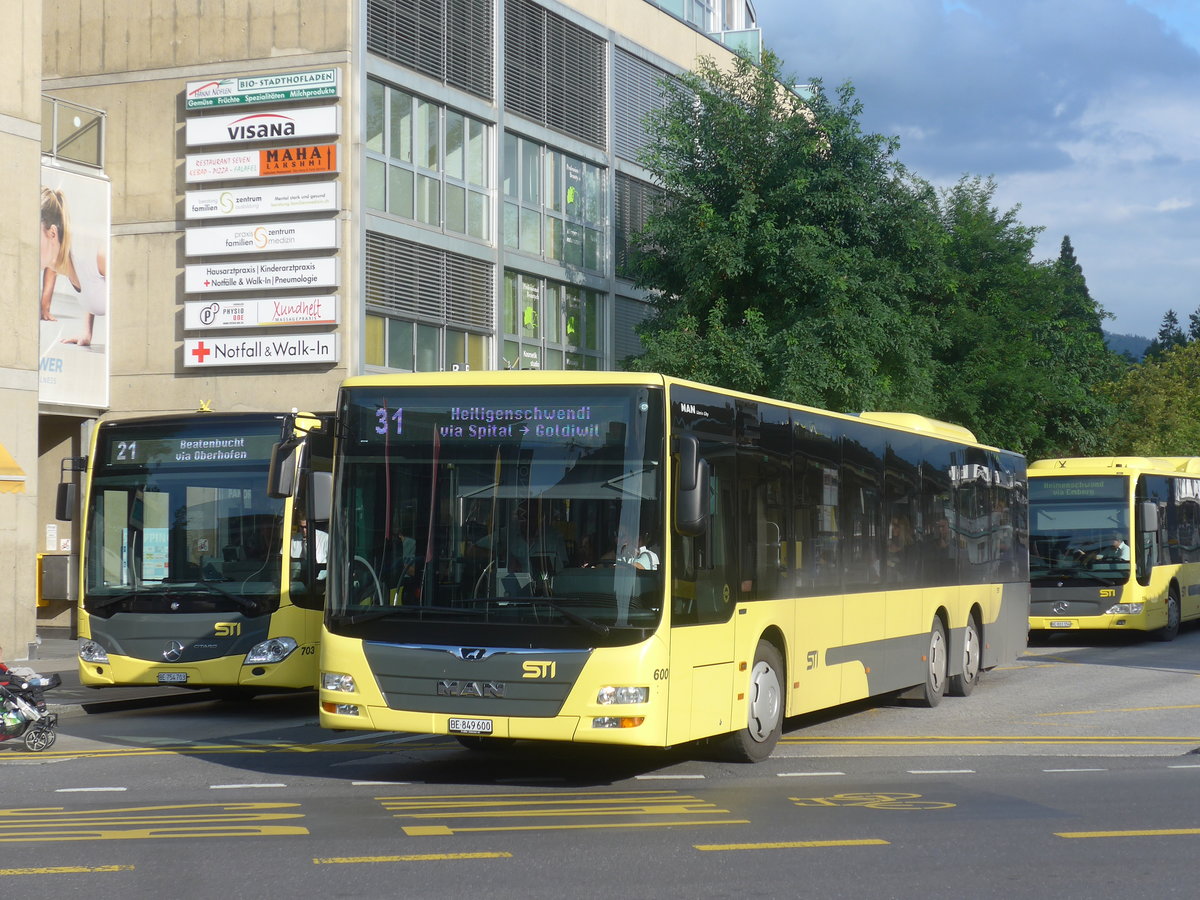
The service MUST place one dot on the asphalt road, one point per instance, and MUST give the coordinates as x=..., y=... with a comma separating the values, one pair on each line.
x=1073, y=773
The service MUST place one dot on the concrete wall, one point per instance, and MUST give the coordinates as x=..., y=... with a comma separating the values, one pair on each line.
x=133, y=59
x=20, y=148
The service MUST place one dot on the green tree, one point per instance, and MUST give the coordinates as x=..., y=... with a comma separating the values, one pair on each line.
x=1169, y=335
x=788, y=248
x=1026, y=357
x=1160, y=407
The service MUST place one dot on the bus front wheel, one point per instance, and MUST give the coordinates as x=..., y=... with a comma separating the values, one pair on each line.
x=755, y=742
x=1171, y=630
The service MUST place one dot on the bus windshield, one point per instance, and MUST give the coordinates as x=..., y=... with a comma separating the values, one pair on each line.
x=460, y=513
x=1079, y=530
x=180, y=520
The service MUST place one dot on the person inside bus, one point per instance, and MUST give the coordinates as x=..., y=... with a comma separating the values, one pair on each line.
x=632, y=551
x=300, y=539
x=1115, y=550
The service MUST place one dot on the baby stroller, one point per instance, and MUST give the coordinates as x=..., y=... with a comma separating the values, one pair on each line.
x=23, y=711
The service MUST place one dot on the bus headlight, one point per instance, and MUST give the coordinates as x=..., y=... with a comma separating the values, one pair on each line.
x=333, y=681
x=272, y=651
x=90, y=651
x=1125, y=609
x=612, y=695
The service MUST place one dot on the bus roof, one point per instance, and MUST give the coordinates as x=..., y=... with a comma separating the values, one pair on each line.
x=1116, y=465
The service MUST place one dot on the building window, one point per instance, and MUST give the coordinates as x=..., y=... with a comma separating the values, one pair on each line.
x=554, y=206
x=551, y=325
x=422, y=347
x=427, y=163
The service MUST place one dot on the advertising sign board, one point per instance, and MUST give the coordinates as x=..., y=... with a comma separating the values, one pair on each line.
x=251, y=89
x=262, y=200
x=284, y=350
x=262, y=237
x=213, y=315
x=264, y=125
x=268, y=163
x=316, y=272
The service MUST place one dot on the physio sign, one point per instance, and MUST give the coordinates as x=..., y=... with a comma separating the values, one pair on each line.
x=205, y=315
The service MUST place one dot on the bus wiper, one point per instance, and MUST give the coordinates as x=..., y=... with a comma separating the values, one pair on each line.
x=379, y=612
x=104, y=602
x=244, y=602
x=568, y=614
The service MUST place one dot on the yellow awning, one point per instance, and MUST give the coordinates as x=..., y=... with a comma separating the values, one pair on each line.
x=12, y=476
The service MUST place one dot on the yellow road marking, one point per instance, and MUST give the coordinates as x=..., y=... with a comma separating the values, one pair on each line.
x=998, y=739
x=1160, y=832
x=1092, y=712
x=794, y=845
x=144, y=822
x=417, y=832
x=66, y=870
x=410, y=857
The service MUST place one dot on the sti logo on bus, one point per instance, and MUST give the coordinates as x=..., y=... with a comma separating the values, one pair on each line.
x=539, y=669
x=470, y=688
x=1108, y=592
x=227, y=629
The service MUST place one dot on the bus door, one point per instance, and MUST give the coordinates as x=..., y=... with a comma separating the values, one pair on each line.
x=704, y=572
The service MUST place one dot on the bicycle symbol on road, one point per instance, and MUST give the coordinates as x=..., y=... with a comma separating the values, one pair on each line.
x=873, y=801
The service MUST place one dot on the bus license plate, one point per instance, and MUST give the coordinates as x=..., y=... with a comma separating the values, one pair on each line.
x=470, y=726
x=172, y=677
x=1059, y=623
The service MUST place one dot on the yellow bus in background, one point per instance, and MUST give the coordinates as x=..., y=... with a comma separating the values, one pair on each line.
x=633, y=559
x=1115, y=544
x=191, y=575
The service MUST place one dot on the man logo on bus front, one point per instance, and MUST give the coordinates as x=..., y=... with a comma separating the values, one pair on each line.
x=472, y=652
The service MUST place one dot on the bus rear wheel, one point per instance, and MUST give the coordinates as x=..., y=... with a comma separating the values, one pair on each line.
x=931, y=692
x=961, y=685
x=1171, y=630
x=755, y=742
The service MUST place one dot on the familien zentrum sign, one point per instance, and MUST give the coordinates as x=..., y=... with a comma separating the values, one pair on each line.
x=264, y=125
x=277, y=88
x=304, y=160
x=287, y=349
x=262, y=200
x=262, y=237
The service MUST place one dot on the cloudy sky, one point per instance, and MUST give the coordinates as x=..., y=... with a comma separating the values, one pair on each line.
x=1086, y=112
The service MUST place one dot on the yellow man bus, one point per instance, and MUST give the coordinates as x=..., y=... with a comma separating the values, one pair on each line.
x=191, y=575
x=1115, y=544
x=632, y=559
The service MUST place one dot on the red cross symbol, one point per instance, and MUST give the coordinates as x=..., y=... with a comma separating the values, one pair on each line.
x=200, y=351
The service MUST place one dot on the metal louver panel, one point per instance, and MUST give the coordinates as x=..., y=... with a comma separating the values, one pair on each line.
x=626, y=315
x=428, y=284
x=637, y=92
x=450, y=40
x=555, y=72
x=633, y=201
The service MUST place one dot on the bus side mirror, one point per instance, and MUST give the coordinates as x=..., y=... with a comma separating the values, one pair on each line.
x=320, y=495
x=64, y=501
x=691, y=489
x=1149, y=515
x=281, y=476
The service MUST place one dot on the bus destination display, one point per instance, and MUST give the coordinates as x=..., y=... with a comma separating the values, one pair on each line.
x=188, y=450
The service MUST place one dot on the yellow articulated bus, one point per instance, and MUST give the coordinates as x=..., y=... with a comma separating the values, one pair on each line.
x=1115, y=544
x=632, y=559
x=191, y=575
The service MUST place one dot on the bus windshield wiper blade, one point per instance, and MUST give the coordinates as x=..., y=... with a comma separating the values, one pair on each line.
x=378, y=612
x=244, y=602
x=91, y=603
x=568, y=614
